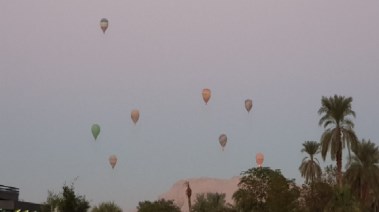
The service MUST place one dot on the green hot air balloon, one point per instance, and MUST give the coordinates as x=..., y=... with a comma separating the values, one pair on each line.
x=95, y=130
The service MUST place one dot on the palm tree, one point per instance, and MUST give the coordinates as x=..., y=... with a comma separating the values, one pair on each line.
x=310, y=167
x=342, y=201
x=363, y=172
x=335, y=112
x=188, y=193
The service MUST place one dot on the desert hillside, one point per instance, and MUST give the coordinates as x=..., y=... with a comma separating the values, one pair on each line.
x=200, y=185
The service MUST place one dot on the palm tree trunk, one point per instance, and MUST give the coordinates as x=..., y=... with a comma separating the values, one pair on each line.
x=189, y=204
x=189, y=193
x=339, y=167
x=364, y=193
x=339, y=158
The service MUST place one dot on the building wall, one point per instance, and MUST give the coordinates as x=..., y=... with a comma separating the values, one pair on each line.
x=7, y=204
x=8, y=193
x=9, y=200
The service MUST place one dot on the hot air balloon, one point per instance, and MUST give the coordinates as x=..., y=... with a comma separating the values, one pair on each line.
x=206, y=95
x=113, y=160
x=248, y=104
x=104, y=24
x=95, y=130
x=223, y=139
x=134, y=115
x=259, y=159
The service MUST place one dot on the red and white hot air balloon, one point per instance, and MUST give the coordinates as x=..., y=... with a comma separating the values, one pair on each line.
x=248, y=104
x=206, y=95
x=223, y=139
x=134, y=115
x=259, y=159
x=113, y=160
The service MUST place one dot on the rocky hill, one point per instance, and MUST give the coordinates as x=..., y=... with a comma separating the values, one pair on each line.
x=198, y=186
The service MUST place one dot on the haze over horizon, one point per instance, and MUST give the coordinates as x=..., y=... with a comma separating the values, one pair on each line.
x=59, y=74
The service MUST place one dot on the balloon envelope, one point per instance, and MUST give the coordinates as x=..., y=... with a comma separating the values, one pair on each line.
x=248, y=104
x=206, y=95
x=223, y=139
x=104, y=24
x=259, y=159
x=113, y=160
x=95, y=130
x=134, y=115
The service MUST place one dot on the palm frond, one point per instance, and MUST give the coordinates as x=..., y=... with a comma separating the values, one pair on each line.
x=325, y=143
x=363, y=172
x=311, y=147
x=347, y=123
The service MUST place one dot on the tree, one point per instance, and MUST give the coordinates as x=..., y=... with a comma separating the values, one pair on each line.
x=51, y=203
x=363, y=172
x=264, y=189
x=66, y=201
x=310, y=168
x=329, y=175
x=316, y=195
x=71, y=202
x=211, y=202
x=161, y=205
x=342, y=201
x=335, y=112
x=107, y=207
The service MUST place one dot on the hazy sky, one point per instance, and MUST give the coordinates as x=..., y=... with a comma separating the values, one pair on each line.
x=59, y=74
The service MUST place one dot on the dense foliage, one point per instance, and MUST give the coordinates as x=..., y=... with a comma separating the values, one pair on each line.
x=161, y=205
x=211, y=202
x=107, y=207
x=66, y=201
x=264, y=189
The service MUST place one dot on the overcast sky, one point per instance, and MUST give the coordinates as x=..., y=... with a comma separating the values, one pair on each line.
x=59, y=74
